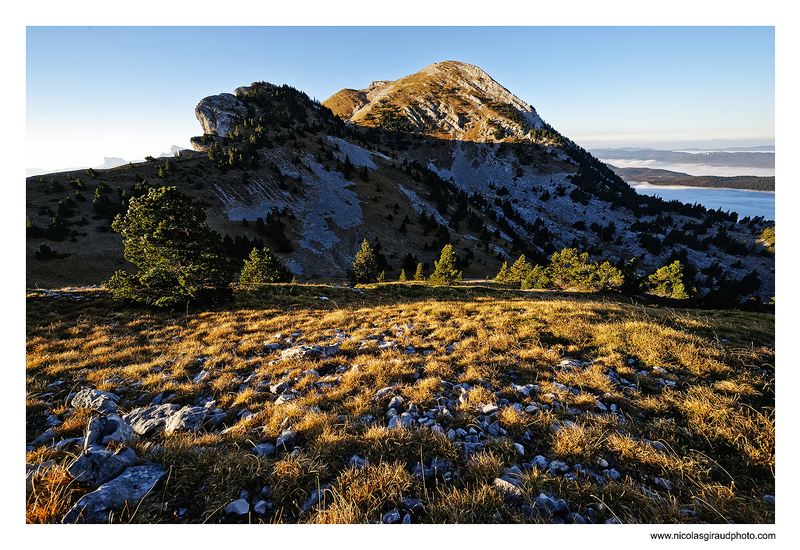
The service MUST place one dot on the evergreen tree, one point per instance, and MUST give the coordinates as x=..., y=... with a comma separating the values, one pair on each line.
x=445, y=272
x=502, y=275
x=669, y=281
x=403, y=277
x=419, y=274
x=262, y=266
x=365, y=266
x=179, y=257
x=538, y=277
x=519, y=271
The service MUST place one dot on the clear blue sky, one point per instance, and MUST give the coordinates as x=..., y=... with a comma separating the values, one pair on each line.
x=131, y=91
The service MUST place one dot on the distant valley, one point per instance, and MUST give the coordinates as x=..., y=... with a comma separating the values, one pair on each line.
x=655, y=176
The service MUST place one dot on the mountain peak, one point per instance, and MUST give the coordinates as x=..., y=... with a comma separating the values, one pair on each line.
x=448, y=99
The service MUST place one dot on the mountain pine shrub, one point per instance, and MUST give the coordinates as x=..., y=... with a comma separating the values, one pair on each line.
x=365, y=266
x=669, y=281
x=445, y=272
x=262, y=266
x=570, y=270
x=179, y=257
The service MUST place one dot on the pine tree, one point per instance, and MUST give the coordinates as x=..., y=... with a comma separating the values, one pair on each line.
x=502, y=275
x=365, y=266
x=519, y=270
x=403, y=277
x=445, y=272
x=669, y=281
x=179, y=257
x=419, y=275
x=264, y=267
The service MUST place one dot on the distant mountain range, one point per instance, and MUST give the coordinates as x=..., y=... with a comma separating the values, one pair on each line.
x=729, y=157
x=108, y=163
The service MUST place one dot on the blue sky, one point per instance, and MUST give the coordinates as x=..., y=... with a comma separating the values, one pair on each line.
x=131, y=91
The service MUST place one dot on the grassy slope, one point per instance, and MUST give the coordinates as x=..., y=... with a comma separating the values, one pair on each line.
x=716, y=424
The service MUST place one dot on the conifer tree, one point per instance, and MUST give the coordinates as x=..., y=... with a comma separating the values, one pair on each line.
x=419, y=274
x=403, y=277
x=262, y=266
x=445, y=272
x=180, y=259
x=502, y=275
x=519, y=270
x=669, y=281
x=365, y=266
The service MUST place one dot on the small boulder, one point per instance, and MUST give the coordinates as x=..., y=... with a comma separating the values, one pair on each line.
x=97, y=400
x=287, y=436
x=127, y=489
x=94, y=468
x=186, y=419
x=238, y=507
x=148, y=421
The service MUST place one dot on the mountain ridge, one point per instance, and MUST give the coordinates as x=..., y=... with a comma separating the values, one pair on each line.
x=490, y=177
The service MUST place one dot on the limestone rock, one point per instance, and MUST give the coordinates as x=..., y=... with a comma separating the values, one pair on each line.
x=97, y=467
x=287, y=436
x=126, y=489
x=511, y=492
x=186, y=419
x=299, y=353
x=97, y=400
x=102, y=430
x=238, y=507
x=150, y=420
x=46, y=438
x=219, y=114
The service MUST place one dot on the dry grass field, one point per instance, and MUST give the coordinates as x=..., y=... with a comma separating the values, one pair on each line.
x=660, y=416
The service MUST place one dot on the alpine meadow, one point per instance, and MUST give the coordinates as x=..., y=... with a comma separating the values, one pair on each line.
x=416, y=302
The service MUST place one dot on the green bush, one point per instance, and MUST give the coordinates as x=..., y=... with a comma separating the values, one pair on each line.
x=567, y=270
x=445, y=272
x=669, y=281
x=179, y=257
x=262, y=266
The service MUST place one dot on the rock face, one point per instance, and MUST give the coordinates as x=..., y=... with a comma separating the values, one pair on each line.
x=220, y=113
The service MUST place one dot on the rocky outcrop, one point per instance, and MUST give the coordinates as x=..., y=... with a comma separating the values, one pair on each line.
x=220, y=113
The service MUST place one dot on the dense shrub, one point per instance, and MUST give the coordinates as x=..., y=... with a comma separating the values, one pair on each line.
x=669, y=281
x=264, y=267
x=179, y=257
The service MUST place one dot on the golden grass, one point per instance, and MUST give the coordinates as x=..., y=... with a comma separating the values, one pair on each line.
x=717, y=424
